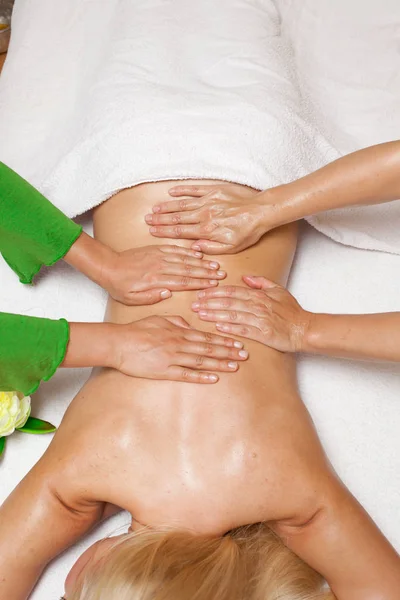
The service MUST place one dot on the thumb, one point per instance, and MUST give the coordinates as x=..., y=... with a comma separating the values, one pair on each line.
x=149, y=297
x=259, y=283
x=209, y=247
x=179, y=321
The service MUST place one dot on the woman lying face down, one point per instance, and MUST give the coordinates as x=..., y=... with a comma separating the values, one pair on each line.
x=232, y=486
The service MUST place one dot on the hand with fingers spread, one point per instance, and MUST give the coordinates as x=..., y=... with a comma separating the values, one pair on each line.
x=264, y=311
x=149, y=274
x=223, y=219
x=168, y=348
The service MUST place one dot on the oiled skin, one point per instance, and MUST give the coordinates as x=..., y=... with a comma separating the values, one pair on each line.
x=206, y=458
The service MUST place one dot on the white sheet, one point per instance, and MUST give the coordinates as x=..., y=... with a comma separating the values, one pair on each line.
x=347, y=60
x=356, y=406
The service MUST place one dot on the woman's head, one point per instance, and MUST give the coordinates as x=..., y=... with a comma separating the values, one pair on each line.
x=249, y=563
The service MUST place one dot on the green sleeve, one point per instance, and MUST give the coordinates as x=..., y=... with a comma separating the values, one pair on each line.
x=33, y=232
x=31, y=350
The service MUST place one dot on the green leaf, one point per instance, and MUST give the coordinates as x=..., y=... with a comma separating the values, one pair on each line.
x=37, y=426
x=2, y=444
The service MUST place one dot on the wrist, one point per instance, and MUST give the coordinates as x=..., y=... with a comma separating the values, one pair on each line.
x=115, y=345
x=122, y=337
x=317, y=337
x=91, y=345
x=105, y=266
x=278, y=206
x=111, y=344
x=92, y=258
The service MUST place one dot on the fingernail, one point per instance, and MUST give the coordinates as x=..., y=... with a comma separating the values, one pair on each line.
x=198, y=254
x=153, y=229
x=148, y=218
x=236, y=344
x=213, y=282
x=214, y=265
x=196, y=247
x=165, y=294
x=201, y=294
x=156, y=209
x=212, y=378
x=202, y=313
x=221, y=273
x=232, y=365
x=195, y=305
x=243, y=354
x=222, y=327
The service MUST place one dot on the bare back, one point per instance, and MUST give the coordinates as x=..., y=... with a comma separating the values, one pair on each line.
x=201, y=457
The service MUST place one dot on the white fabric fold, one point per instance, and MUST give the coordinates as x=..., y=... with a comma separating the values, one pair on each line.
x=347, y=60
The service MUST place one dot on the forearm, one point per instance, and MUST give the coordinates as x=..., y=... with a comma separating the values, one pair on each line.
x=374, y=336
x=369, y=176
x=91, y=345
x=32, y=349
x=90, y=257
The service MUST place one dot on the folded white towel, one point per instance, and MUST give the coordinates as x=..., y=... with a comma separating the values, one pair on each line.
x=347, y=57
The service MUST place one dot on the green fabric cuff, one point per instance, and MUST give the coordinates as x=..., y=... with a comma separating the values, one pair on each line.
x=33, y=232
x=31, y=350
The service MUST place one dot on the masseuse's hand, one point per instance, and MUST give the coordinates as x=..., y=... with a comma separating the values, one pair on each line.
x=168, y=348
x=223, y=219
x=264, y=311
x=149, y=274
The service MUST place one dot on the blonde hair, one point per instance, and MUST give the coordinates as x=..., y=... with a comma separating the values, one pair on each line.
x=249, y=563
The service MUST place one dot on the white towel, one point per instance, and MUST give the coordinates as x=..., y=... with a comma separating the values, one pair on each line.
x=168, y=90
x=222, y=108
x=57, y=50
x=347, y=58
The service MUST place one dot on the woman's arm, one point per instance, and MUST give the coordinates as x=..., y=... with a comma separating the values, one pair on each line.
x=220, y=222
x=32, y=349
x=374, y=336
x=33, y=233
x=369, y=176
x=37, y=524
x=269, y=314
x=143, y=275
x=343, y=544
x=154, y=348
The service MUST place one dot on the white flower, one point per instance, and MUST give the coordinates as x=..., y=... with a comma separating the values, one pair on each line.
x=15, y=409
